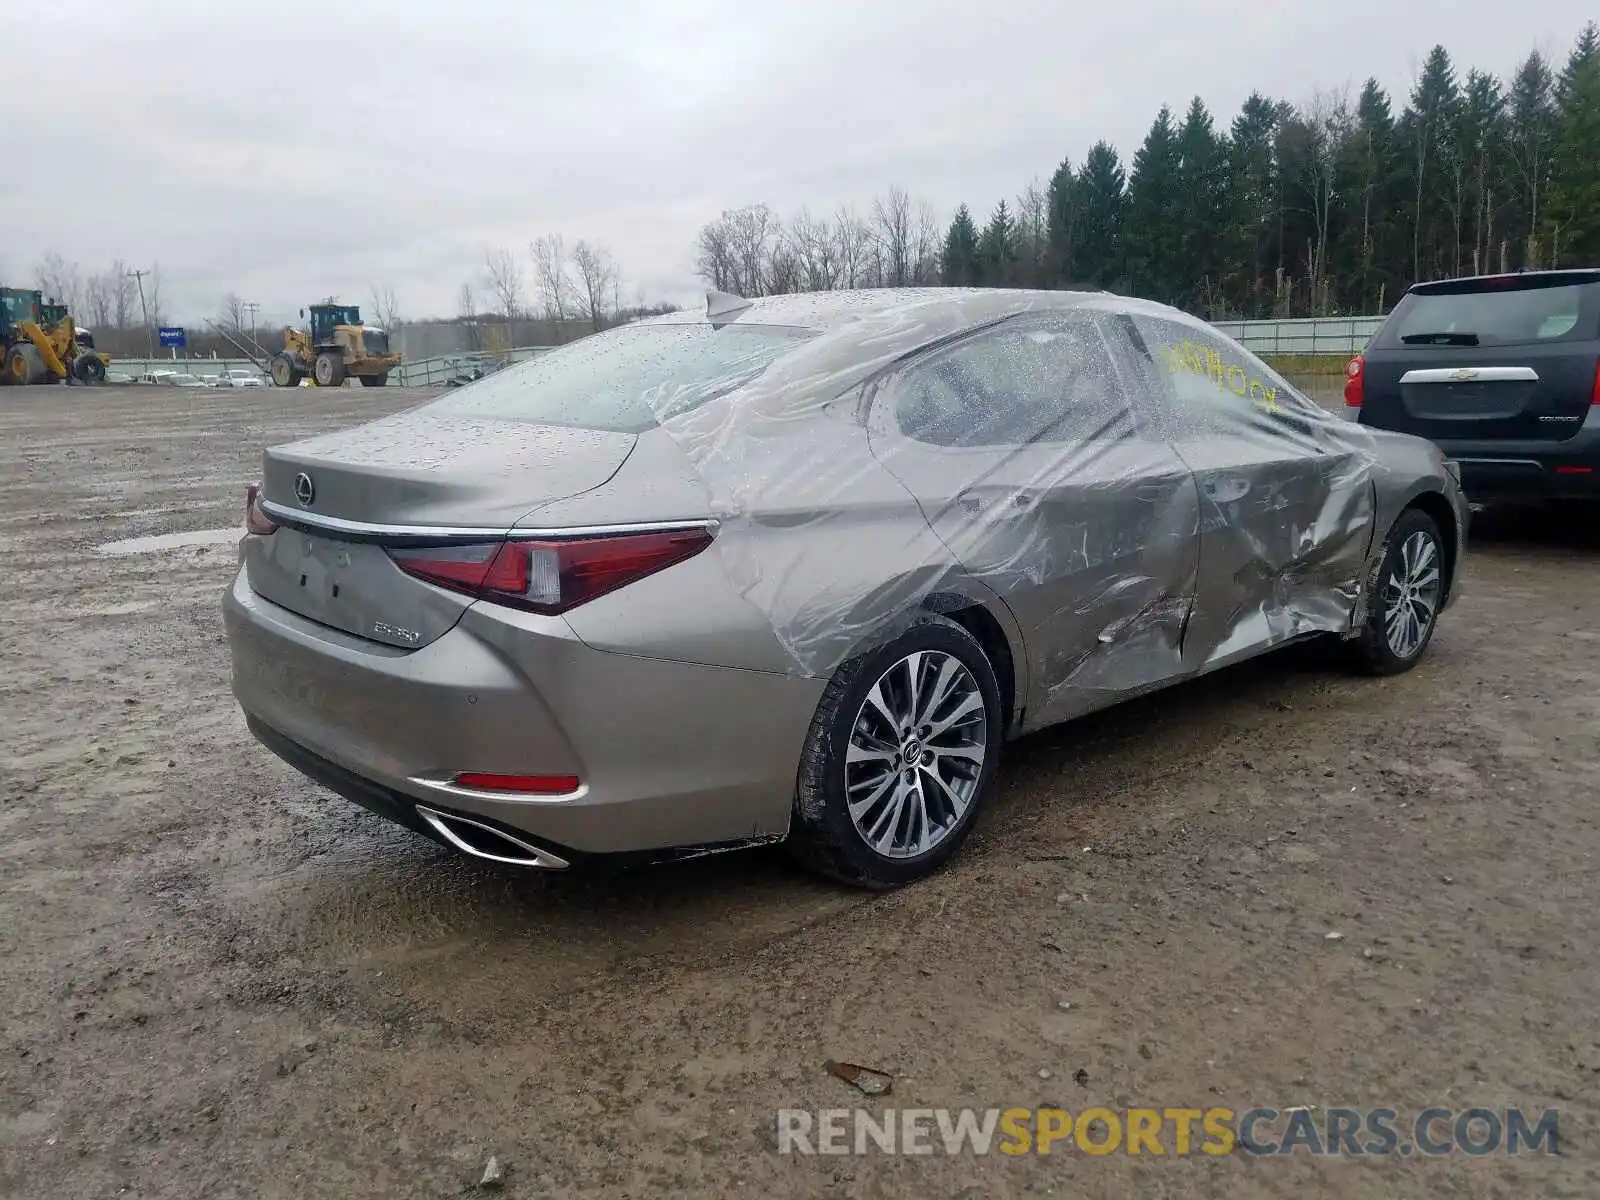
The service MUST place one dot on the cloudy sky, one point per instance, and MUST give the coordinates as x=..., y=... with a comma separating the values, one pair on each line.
x=286, y=150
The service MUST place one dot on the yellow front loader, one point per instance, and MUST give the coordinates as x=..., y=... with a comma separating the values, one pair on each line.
x=336, y=347
x=40, y=343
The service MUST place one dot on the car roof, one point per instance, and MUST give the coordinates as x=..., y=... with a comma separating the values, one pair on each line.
x=1509, y=281
x=862, y=333
x=823, y=311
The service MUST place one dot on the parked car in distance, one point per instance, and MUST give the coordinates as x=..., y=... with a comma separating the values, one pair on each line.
x=795, y=569
x=183, y=379
x=241, y=377
x=1502, y=373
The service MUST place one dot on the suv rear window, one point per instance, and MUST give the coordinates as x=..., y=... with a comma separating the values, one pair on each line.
x=626, y=380
x=1496, y=316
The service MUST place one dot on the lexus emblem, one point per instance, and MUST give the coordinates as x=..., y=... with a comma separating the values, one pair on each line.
x=304, y=490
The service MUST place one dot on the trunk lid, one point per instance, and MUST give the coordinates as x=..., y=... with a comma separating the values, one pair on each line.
x=418, y=470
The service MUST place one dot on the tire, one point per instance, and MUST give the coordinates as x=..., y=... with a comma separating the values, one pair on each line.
x=893, y=849
x=24, y=365
x=374, y=380
x=283, y=371
x=89, y=368
x=1413, y=558
x=328, y=370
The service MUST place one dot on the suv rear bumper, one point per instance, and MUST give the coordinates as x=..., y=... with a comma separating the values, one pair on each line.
x=1523, y=470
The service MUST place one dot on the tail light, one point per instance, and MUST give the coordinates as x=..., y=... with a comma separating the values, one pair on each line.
x=255, y=517
x=550, y=576
x=1594, y=396
x=1355, y=381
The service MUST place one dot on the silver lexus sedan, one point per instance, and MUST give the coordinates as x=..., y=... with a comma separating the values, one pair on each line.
x=796, y=569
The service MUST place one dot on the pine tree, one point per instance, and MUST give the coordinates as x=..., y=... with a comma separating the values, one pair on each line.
x=1097, y=258
x=1480, y=137
x=1202, y=184
x=1575, y=182
x=1529, y=147
x=1429, y=126
x=959, y=260
x=997, y=249
x=1251, y=217
x=1376, y=190
x=1152, y=230
x=1063, y=219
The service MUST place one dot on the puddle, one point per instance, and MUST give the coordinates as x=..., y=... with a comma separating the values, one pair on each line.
x=170, y=541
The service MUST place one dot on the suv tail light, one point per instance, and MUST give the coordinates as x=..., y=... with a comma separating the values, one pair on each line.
x=550, y=576
x=1355, y=381
x=255, y=517
x=1594, y=397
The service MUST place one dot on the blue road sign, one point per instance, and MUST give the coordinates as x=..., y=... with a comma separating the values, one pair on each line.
x=173, y=335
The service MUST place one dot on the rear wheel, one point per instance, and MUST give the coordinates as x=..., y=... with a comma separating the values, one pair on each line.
x=899, y=758
x=283, y=371
x=374, y=380
x=1403, y=596
x=328, y=370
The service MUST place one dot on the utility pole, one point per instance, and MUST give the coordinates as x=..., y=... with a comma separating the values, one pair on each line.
x=252, y=306
x=149, y=334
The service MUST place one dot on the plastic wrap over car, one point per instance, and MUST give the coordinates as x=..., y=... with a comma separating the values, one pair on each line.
x=1135, y=494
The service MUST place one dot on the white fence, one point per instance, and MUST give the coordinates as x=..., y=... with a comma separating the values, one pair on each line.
x=1301, y=336
x=1304, y=335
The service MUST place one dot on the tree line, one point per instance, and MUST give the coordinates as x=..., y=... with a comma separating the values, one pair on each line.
x=1329, y=206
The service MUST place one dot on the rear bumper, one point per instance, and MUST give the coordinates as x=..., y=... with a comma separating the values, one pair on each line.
x=670, y=754
x=1523, y=470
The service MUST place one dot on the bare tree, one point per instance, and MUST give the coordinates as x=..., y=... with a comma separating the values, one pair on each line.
x=123, y=292
x=385, y=307
x=816, y=255
x=96, y=302
x=61, y=281
x=152, y=295
x=925, y=245
x=550, y=279
x=1033, y=233
x=891, y=215
x=852, y=240
x=714, y=255
x=467, y=303
x=505, y=282
x=597, y=277
x=233, y=313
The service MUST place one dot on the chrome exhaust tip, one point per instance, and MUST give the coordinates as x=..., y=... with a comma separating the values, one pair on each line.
x=488, y=843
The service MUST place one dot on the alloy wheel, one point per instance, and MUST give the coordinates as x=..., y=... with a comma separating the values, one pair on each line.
x=916, y=753
x=1411, y=594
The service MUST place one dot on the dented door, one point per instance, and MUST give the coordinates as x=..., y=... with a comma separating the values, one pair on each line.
x=1286, y=502
x=1024, y=454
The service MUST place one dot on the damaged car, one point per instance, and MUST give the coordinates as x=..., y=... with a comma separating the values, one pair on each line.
x=796, y=569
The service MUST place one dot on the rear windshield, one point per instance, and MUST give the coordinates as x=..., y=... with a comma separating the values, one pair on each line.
x=1501, y=317
x=626, y=380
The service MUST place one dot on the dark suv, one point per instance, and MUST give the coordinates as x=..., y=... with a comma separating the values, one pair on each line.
x=1502, y=372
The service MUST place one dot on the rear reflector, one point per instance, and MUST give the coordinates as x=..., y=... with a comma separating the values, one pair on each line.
x=1574, y=470
x=1355, y=381
x=550, y=576
x=526, y=785
x=255, y=517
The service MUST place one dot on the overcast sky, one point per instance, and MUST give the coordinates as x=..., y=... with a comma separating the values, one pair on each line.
x=287, y=150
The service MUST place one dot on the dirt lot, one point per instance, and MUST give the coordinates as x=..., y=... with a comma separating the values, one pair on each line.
x=218, y=981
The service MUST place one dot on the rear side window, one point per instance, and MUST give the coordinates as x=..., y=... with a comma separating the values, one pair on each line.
x=627, y=380
x=1206, y=384
x=1496, y=317
x=1029, y=380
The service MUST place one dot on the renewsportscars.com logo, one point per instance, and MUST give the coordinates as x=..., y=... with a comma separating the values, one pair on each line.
x=1168, y=1132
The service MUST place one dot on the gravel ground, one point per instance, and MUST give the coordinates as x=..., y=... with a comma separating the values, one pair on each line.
x=219, y=981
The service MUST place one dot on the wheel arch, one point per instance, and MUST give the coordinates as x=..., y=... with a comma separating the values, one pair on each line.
x=1443, y=514
x=987, y=618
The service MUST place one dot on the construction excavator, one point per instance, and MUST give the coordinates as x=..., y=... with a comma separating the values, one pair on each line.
x=41, y=343
x=335, y=347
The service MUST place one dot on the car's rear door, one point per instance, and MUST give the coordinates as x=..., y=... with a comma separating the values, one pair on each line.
x=1499, y=359
x=1019, y=444
x=1287, y=499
